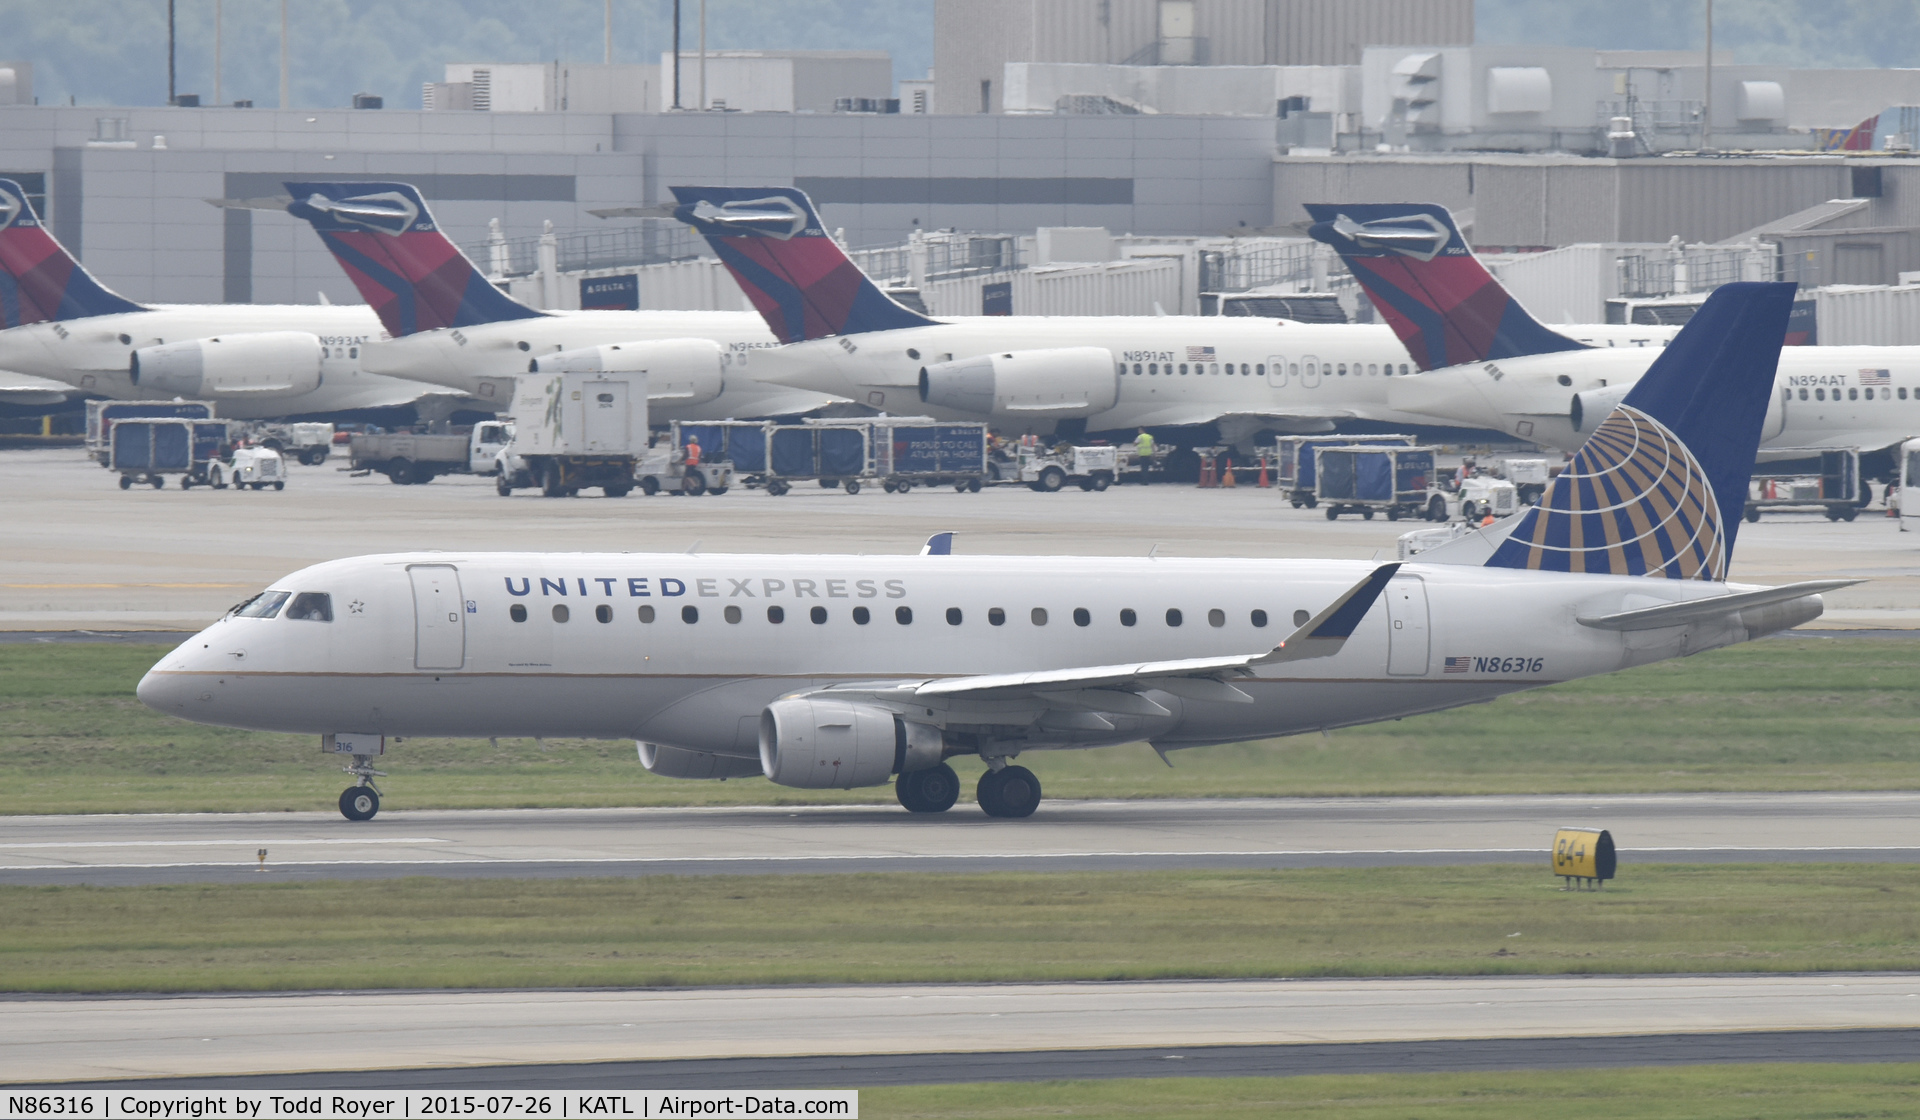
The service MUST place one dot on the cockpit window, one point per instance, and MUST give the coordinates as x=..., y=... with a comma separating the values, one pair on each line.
x=312, y=606
x=264, y=605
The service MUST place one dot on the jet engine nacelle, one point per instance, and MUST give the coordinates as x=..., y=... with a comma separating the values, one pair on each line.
x=833, y=744
x=678, y=762
x=270, y=363
x=1593, y=405
x=1068, y=382
x=679, y=370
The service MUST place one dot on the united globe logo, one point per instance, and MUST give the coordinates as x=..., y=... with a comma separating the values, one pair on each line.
x=1634, y=501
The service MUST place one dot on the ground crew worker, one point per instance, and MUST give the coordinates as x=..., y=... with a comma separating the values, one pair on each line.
x=693, y=451
x=1143, y=444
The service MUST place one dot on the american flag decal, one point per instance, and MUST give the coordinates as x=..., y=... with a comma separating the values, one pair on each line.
x=1200, y=353
x=1457, y=664
x=1873, y=378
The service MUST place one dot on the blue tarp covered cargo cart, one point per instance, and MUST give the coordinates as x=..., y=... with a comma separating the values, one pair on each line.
x=1364, y=479
x=1294, y=467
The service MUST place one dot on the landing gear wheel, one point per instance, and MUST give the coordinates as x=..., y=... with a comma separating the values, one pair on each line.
x=359, y=803
x=852, y=486
x=1010, y=792
x=928, y=791
x=649, y=486
x=693, y=483
x=1051, y=480
x=502, y=485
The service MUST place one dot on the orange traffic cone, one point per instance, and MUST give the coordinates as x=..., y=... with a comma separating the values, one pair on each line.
x=1226, y=475
x=1264, y=482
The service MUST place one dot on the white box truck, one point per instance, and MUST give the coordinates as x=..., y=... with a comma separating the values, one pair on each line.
x=575, y=430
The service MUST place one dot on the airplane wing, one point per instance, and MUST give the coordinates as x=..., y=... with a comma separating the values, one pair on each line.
x=1699, y=610
x=1116, y=689
x=20, y=389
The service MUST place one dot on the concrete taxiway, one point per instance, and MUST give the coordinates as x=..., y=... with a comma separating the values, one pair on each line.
x=84, y=554
x=101, y=1039
x=110, y=850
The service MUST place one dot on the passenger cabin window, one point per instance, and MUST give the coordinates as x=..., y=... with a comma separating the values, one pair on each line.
x=1173, y=616
x=862, y=616
x=646, y=614
x=818, y=615
x=1127, y=617
x=775, y=615
x=561, y=613
x=1039, y=616
x=996, y=617
x=731, y=614
x=264, y=605
x=903, y=615
x=1216, y=617
x=517, y=612
x=1081, y=617
x=1903, y=393
x=1259, y=619
x=689, y=615
x=311, y=606
x=603, y=613
x=1300, y=618
x=1853, y=394
x=953, y=616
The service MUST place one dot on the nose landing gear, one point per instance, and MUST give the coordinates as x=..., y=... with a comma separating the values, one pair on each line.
x=359, y=802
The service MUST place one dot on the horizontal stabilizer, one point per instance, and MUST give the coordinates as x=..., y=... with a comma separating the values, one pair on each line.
x=1717, y=606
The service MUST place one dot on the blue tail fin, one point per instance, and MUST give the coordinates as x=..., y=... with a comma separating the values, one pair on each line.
x=1445, y=306
x=40, y=282
x=1660, y=486
x=798, y=278
x=413, y=275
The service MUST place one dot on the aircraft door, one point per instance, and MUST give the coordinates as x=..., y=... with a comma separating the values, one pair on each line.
x=1909, y=477
x=439, y=617
x=1309, y=371
x=1277, y=371
x=1776, y=419
x=606, y=416
x=1408, y=644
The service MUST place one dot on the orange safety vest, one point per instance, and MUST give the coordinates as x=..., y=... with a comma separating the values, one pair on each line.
x=693, y=454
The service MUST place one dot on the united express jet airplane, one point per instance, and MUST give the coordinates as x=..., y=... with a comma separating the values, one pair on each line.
x=824, y=671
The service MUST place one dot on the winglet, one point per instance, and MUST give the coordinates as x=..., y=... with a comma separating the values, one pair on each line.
x=939, y=544
x=1324, y=633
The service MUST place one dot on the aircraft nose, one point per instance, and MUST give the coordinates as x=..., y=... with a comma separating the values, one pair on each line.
x=171, y=685
x=1444, y=394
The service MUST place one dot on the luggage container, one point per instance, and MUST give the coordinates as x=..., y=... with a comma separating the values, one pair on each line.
x=1368, y=478
x=150, y=450
x=102, y=415
x=1822, y=478
x=909, y=453
x=835, y=453
x=1293, y=459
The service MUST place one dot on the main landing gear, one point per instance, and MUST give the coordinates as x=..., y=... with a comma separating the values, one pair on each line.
x=933, y=790
x=1007, y=791
x=359, y=802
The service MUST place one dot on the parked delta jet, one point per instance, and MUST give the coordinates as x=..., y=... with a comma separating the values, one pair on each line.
x=1512, y=374
x=255, y=361
x=449, y=325
x=825, y=671
x=1034, y=373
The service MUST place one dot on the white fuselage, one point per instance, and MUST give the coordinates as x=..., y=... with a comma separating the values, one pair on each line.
x=94, y=354
x=1819, y=398
x=482, y=360
x=1172, y=370
x=700, y=672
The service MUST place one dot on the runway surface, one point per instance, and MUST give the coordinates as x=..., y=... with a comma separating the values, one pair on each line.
x=326, y=1032
x=863, y=1071
x=1063, y=836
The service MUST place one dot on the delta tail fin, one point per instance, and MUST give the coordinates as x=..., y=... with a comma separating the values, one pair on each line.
x=415, y=278
x=1443, y=303
x=799, y=279
x=40, y=282
x=1661, y=485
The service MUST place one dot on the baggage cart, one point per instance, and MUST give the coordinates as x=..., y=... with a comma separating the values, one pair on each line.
x=909, y=453
x=1367, y=479
x=1820, y=478
x=102, y=415
x=1293, y=461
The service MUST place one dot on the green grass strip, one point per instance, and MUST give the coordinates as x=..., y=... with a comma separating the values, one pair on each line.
x=1727, y=1092
x=928, y=928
